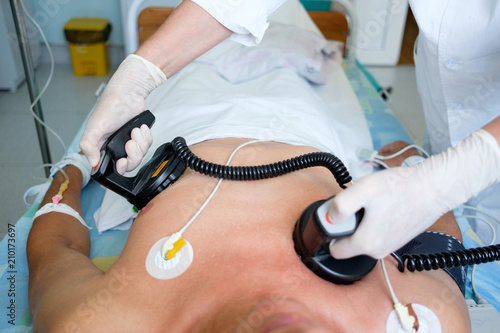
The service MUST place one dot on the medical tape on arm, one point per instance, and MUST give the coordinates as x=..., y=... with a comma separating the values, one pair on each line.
x=78, y=160
x=60, y=208
x=413, y=160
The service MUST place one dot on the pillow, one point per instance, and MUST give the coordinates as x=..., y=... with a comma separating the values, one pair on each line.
x=283, y=46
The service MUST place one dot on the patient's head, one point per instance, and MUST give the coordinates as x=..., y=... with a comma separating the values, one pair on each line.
x=277, y=316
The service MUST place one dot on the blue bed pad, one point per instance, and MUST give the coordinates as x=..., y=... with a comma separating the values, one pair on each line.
x=384, y=128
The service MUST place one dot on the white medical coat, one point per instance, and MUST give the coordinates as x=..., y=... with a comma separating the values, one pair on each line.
x=457, y=58
x=246, y=18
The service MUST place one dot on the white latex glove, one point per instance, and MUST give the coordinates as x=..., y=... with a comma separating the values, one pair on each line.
x=123, y=98
x=400, y=203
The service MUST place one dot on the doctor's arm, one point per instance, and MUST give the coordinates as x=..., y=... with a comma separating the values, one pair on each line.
x=187, y=33
x=402, y=202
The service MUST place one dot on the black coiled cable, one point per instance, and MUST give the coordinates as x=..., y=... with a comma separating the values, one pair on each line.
x=413, y=262
x=259, y=172
x=434, y=261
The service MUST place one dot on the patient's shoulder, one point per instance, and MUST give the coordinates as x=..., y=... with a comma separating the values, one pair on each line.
x=96, y=304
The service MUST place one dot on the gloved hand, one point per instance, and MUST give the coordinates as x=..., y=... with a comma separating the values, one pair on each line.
x=400, y=203
x=123, y=98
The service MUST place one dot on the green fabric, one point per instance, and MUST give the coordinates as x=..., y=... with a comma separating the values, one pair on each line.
x=318, y=5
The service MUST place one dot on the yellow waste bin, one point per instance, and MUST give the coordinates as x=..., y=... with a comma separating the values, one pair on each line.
x=87, y=39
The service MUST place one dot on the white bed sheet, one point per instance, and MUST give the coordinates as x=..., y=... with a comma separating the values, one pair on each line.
x=284, y=108
x=340, y=102
x=331, y=118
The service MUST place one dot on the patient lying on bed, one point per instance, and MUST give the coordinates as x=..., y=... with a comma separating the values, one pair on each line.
x=245, y=275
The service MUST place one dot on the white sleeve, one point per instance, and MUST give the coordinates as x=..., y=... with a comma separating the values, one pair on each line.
x=246, y=18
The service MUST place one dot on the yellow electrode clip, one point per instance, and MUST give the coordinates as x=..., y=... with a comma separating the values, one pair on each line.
x=172, y=246
x=176, y=248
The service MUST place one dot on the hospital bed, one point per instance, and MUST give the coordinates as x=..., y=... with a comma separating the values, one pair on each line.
x=362, y=120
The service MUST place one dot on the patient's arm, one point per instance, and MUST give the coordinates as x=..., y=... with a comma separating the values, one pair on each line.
x=187, y=33
x=393, y=148
x=57, y=249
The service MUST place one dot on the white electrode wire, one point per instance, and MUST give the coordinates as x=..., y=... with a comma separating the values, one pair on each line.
x=482, y=212
x=479, y=298
x=216, y=187
x=402, y=151
x=49, y=79
x=483, y=220
x=385, y=165
x=388, y=282
x=165, y=247
x=405, y=319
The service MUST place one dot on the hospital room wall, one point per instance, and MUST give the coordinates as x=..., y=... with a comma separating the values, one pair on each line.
x=381, y=24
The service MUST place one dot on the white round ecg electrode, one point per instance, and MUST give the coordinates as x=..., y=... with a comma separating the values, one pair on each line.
x=163, y=269
x=428, y=322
